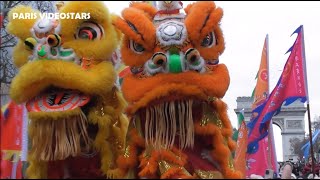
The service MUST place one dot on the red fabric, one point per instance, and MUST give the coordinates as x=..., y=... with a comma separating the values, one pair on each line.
x=307, y=169
x=11, y=140
x=175, y=11
x=11, y=128
x=7, y=169
x=195, y=160
x=78, y=167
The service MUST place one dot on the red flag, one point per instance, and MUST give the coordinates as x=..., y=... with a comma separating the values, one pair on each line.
x=265, y=157
x=11, y=140
x=11, y=126
x=290, y=87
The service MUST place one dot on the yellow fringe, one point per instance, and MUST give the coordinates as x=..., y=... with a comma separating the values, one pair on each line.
x=36, y=169
x=55, y=116
x=161, y=124
x=65, y=135
x=110, y=138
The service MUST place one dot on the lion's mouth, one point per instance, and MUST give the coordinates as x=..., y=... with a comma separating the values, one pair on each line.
x=170, y=123
x=59, y=127
x=56, y=99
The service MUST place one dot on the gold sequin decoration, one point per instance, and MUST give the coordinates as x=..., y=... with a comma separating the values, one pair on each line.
x=185, y=171
x=208, y=174
x=219, y=123
x=102, y=111
x=115, y=142
x=204, y=121
x=230, y=164
x=119, y=144
x=211, y=99
x=116, y=123
x=164, y=166
x=126, y=152
x=209, y=116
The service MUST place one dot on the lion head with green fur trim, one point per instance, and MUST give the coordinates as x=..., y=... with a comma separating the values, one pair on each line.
x=67, y=80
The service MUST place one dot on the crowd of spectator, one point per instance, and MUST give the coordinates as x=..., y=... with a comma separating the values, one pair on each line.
x=301, y=169
x=295, y=170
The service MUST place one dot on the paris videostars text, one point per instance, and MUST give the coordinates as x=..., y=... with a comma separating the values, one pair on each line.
x=51, y=15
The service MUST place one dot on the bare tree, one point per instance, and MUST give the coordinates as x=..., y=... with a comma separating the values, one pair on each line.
x=297, y=143
x=8, y=41
x=316, y=122
x=44, y=6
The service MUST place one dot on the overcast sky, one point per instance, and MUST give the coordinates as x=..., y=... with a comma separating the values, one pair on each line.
x=245, y=25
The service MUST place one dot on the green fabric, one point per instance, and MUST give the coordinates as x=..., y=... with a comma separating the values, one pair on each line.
x=235, y=135
x=65, y=53
x=175, y=64
x=240, y=121
x=240, y=118
x=153, y=66
x=120, y=81
x=42, y=52
x=252, y=95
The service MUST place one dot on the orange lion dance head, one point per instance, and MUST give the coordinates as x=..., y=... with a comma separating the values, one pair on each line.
x=179, y=126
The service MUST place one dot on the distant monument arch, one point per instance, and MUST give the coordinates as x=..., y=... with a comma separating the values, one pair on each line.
x=279, y=122
x=290, y=120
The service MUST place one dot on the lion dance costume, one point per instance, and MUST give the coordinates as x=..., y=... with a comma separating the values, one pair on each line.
x=179, y=126
x=77, y=128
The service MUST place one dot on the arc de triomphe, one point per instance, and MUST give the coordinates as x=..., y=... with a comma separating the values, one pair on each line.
x=290, y=120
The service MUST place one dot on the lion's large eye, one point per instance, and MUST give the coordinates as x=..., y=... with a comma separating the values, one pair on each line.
x=159, y=59
x=90, y=31
x=209, y=40
x=136, y=47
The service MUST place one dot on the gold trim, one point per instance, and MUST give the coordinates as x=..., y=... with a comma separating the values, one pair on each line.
x=127, y=152
x=164, y=167
x=204, y=121
x=219, y=123
x=211, y=98
x=208, y=174
x=230, y=164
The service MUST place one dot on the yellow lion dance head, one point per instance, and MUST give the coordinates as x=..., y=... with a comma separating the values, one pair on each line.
x=67, y=80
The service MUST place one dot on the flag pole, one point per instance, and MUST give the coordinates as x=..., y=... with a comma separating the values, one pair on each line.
x=271, y=140
x=270, y=130
x=270, y=134
x=308, y=106
x=310, y=137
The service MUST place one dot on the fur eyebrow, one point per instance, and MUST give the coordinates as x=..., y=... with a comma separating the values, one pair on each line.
x=135, y=29
x=131, y=32
x=211, y=21
x=202, y=18
x=205, y=23
x=136, y=25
